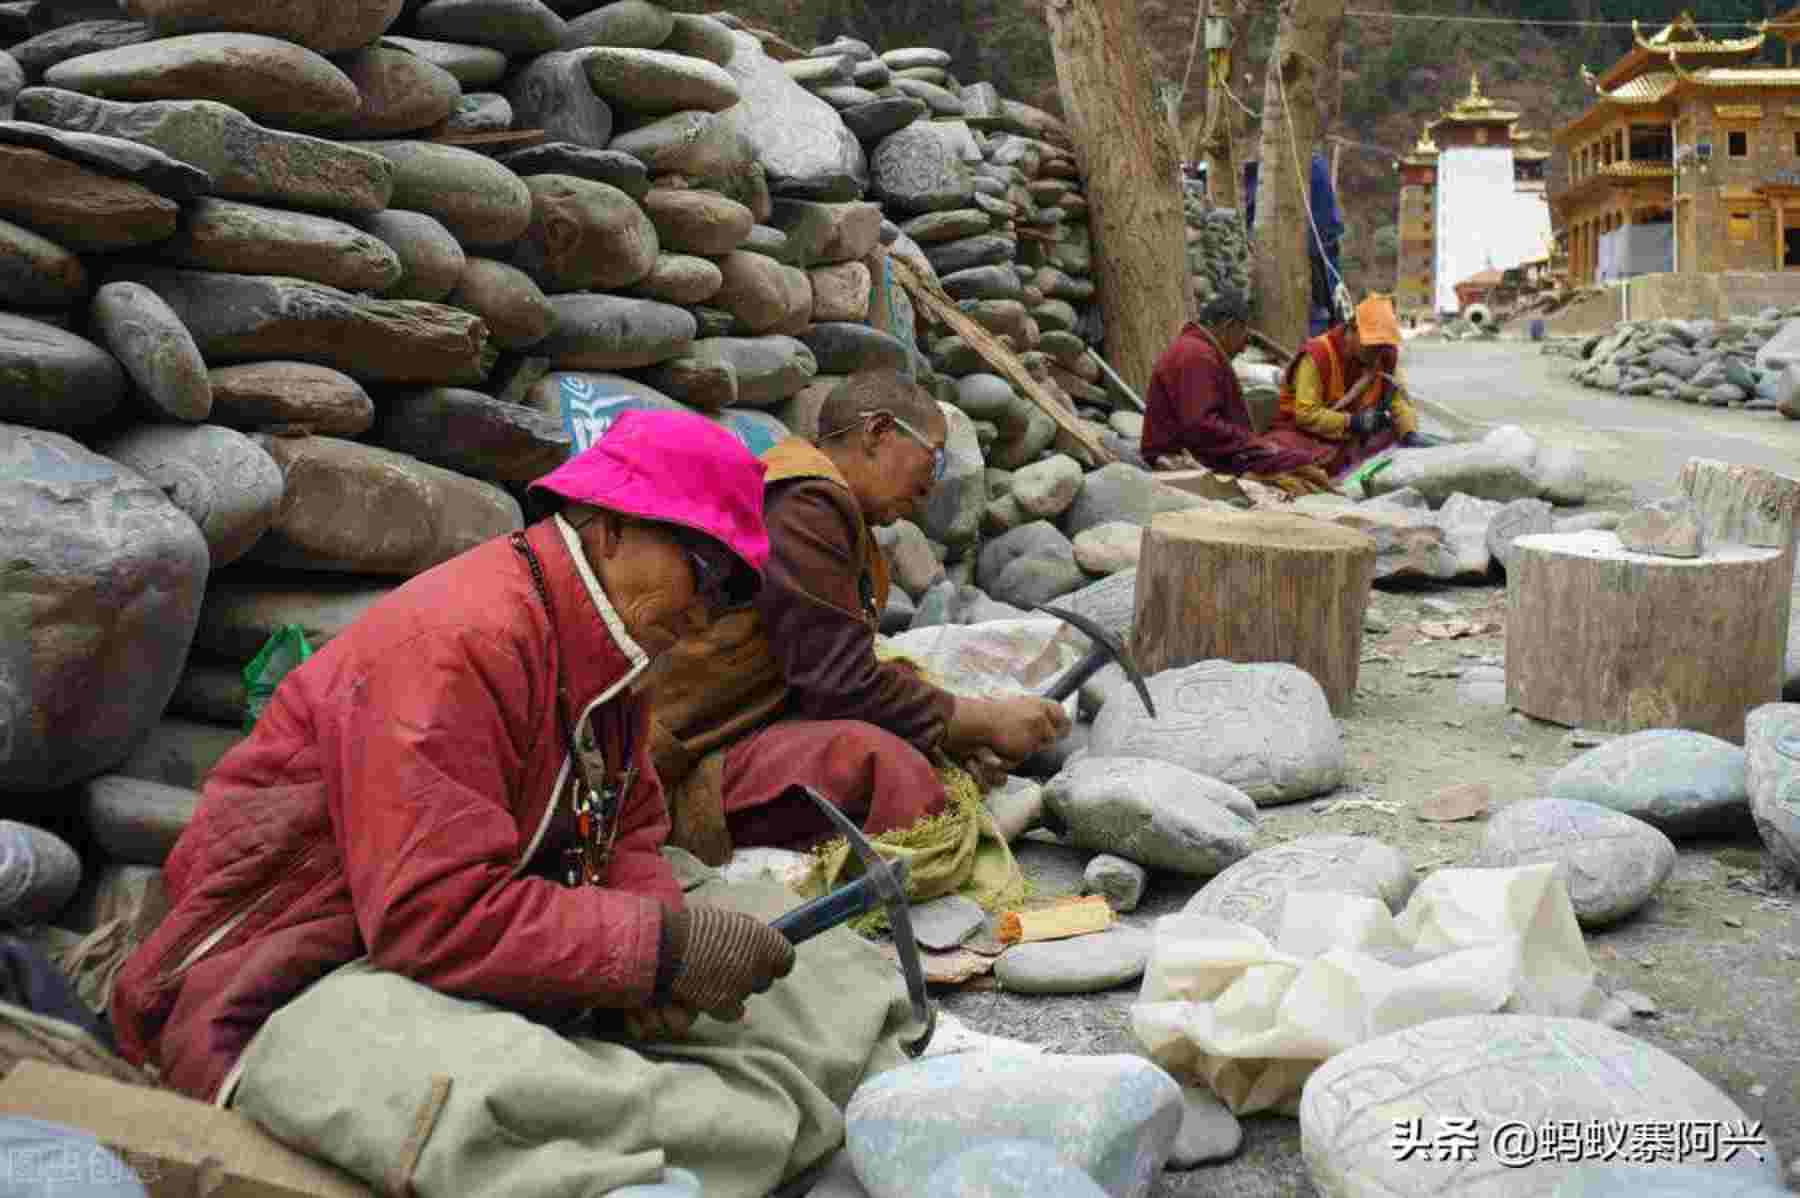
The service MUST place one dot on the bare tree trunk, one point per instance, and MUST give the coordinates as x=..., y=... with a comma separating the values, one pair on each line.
x=1129, y=163
x=1290, y=125
x=1224, y=118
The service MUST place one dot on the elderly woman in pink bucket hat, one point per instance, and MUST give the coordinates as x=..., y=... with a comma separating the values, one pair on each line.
x=456, y=794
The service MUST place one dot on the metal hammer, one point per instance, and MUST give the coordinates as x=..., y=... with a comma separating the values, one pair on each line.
x=1106, y=647
x=882, y=882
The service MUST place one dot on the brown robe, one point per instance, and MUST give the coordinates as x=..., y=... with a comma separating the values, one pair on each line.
x=803, y=652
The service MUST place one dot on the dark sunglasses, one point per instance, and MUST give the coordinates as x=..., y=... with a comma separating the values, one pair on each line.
x=717, y=580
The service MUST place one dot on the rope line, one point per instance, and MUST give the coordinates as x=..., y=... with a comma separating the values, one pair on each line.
x=1340, y=294
x=1409, y=16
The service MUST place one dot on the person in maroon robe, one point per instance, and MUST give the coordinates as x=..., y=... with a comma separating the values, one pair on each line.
x=1196, y=409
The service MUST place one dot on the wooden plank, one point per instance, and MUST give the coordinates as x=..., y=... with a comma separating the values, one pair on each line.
x=944, y=311
x=1077, y=917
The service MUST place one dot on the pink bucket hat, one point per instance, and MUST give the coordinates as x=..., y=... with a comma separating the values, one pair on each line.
x=676, y=468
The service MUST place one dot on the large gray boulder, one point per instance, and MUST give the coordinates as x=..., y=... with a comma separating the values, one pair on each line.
x=222, y=479
x=1675, y=780
x=1156, y=814
x=1121, y=492
x=104, y=584
x=244, y=160
x=1254, y=891
x=366, y=510
x=1519, y=1072
x=920, y=168
x=1264, y=728
x=801, y=142
x=50, y=378
x=1772, y=741
x=1113, y=1117
x=952, y=514
x=1507, y=464
x=1610, y=862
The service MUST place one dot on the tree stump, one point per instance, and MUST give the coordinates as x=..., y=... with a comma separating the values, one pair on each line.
x=1253, y=587
x=1600, y=637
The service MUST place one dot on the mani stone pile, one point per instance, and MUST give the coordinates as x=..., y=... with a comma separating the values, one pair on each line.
x=1748, y=362
x=296, y=298
x=1218, y=246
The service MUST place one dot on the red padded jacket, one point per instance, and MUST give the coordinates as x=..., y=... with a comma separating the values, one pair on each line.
x=387, y=805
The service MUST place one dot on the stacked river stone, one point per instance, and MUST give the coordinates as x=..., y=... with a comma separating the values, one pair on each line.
x=1218, y=248
x=296, y=298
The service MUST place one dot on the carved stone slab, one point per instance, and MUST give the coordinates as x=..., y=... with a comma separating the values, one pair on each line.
x=1610, y=862
x=1512, y=1075
x=1255, y=890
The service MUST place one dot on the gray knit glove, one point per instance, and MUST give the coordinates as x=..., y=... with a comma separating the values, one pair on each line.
x=722, y=957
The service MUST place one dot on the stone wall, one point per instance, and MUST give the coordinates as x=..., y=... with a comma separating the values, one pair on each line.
x=1218, y=247
x=293, y=304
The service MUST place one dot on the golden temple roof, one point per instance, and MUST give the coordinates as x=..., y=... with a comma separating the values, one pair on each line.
x=1476, y=108
x=1683, y=35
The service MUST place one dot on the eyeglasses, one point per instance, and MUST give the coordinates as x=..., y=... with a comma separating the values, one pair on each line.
x=713, y=573
x=939, y=458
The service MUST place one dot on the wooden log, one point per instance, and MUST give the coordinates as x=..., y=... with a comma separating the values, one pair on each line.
x=1252, y=587
x=1742, y=505
x=1131, y=171
x=1296, y=75
x=1601, y=637
x=943, y=310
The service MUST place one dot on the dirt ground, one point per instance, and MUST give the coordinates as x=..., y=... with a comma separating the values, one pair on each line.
x=1717, y=949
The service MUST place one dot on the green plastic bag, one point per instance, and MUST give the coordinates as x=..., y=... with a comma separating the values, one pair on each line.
x=284, y=650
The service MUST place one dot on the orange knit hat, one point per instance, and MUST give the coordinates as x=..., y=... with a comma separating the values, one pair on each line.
x=1376, y=323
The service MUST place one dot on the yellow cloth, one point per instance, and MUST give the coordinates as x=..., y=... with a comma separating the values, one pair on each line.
x=1376, y=323
x=958, y=851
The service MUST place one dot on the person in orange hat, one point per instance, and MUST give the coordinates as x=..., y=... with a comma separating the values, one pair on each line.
x=1340, y=395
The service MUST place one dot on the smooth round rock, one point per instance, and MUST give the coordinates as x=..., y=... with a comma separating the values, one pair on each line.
x=480, y=112
x=1010, y=1169
x=769, y=369
x=840, y=292
x=1611, y=863
x=655, y=82
x=947, y=226
x=290, y=396
x=517, y=312
x=38, y=54
x=52, y=379
x=920, y=169
x=613, y=332
x=635, y=24
x=698, y=36
x=430, y=258
x=35, y=272
x=710, y=386
x=584, y=236
x=680, y=279
x=552, y=93
x=144, y=333
x=754, y=289
x=1120, y=882
x=265, y=78
x=1209, y=1131
x=697, y=222
x=39, y=874
x=845, y=347
x=401, y=92
x=1510, y=1074
x=478, y=200
x=1113, y=1117
x=1079, y=965
x=471, y=66
x=1264, y=728
x=327, y=26
x=515, y=26
x=910, y=57
x=81, y=208
x=1154, y=813
x=1772, y=737
x=877, y=119
x=105, y=579
x=251, y=239
x=222, y=479
x=475, y=434
x=1254, y=891
x=240, y=617
x=1678, y=781
x=613, y=167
